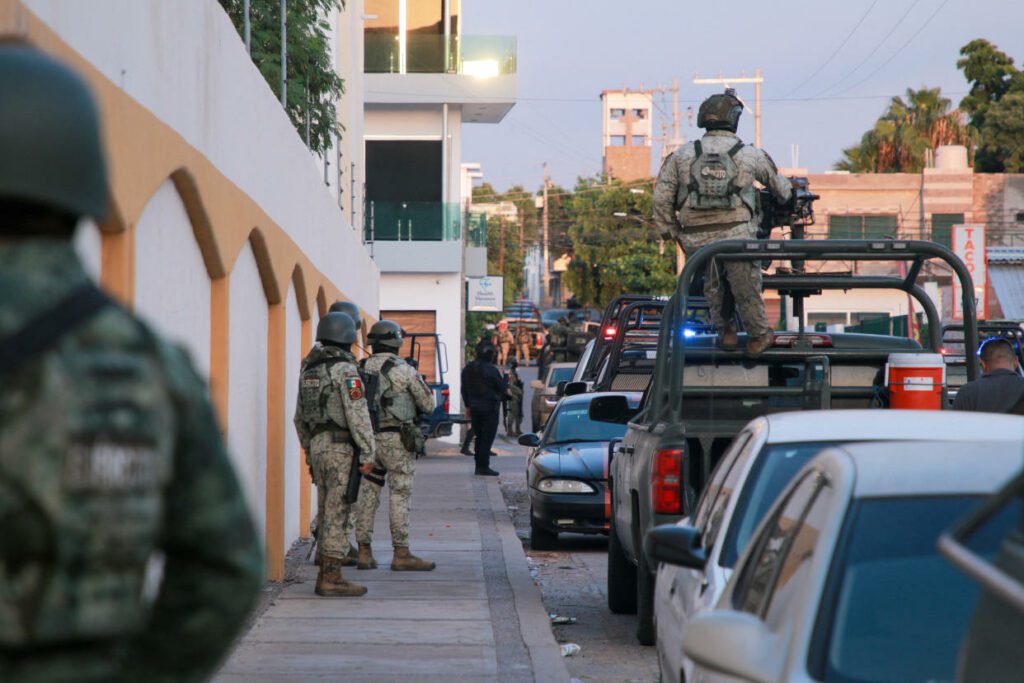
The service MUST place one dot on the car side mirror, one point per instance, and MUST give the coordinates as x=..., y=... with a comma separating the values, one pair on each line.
x=531, y=440
x=678, y=545
x=735, y=644
x=560, y=388
x=614, y=408
x=537, y=384
x=573, y=388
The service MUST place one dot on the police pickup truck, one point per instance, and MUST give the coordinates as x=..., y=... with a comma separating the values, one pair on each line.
x=701, y=396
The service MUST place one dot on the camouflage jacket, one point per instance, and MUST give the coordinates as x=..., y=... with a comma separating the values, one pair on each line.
x=111, y=457
x=407, y=386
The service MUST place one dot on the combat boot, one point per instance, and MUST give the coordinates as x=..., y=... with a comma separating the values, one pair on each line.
x=728, y=339
x=350, y=559
x=366, y=559
x=331, y=584
x=757, y=345
x=404, y=561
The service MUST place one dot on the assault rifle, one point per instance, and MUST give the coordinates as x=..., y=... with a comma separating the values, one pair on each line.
x=797, y=213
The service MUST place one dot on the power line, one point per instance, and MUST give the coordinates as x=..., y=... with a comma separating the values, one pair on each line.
x=836, y=52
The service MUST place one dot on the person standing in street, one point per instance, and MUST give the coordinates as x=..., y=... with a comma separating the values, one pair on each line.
x=524, y=340
x=1000, y=388
x=127, y=552
x=514, y=402
x=400, y=396
x=333, y=423
x=505, y=343
x=704, y=194
x=482, y=390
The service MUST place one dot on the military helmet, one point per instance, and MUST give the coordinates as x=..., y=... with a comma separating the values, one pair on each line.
x=50, y=151
x=351, y=309
x=720, y=112
x=386, y=333
x=336, y=328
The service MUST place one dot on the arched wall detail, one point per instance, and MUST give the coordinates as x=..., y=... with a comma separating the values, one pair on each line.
x=298, y=283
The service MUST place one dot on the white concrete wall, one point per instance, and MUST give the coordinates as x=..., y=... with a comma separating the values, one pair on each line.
x=186, y=63
x=406, y=121
x=292, y=452
x=432, y=292
x=348, y=53
x=247, y=382
x=172, y=288
x=89, y=246
x=887, y=301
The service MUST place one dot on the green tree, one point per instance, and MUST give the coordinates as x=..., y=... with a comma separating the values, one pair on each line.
x=314, y=87
x=512, y=267
x=992, y=104
x=901, y=137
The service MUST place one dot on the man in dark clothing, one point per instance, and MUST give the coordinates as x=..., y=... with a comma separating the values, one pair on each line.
x=1000, y=388
x=482, y=391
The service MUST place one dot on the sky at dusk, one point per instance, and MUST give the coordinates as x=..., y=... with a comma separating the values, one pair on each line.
x=829, y=67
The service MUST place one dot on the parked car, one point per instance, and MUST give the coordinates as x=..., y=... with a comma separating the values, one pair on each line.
x=842, y=580
x=568, y=470
x=545, y=393
x=760, y=463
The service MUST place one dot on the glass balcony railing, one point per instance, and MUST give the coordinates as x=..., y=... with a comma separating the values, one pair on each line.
x=412, y=222
x=476, y=230
x=480, y=56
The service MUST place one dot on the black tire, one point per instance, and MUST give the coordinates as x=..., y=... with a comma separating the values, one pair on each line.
x=541, y=538
x=621, y=576
x=646, y=634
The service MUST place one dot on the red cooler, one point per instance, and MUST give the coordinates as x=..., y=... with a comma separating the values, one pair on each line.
x=916, y=381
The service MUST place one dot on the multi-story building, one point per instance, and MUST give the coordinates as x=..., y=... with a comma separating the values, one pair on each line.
x=423, y=79
x=626, y=129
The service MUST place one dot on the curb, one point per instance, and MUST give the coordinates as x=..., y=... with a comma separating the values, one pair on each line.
x=534, y=623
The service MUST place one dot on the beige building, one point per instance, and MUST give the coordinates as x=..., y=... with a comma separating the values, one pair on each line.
x=626, y=128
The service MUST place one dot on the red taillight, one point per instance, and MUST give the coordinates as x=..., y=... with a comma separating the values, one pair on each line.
x=609, y=332
x=667, y=481
x=444, y=394
x=790, y=338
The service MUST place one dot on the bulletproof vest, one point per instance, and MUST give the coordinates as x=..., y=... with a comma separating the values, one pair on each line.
x=87, y=437
x=319, y=398
x=716, y=192
x=393, y=405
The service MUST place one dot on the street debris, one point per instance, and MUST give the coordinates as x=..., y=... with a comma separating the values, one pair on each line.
x=560, y=620
x=570, y=650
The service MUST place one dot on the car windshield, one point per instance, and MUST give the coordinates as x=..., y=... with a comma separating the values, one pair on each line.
x=572, y=423
x=560, y=375
x=774, y=468
x=896, y=610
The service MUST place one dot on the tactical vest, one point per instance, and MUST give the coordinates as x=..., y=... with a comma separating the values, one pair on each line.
x=715, y=192
x=393, y=405
x=87, y=438
x=319, y=398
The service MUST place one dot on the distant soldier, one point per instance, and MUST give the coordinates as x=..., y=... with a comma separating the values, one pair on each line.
x=514, y=408
x=705, y=193
x=506, y=340
x=126, y=549
x=400, y=396
x=557, y=336
x=524, y=340
x=333, y=423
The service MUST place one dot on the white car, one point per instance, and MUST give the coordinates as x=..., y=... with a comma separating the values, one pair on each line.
x=842, y=580
x=757, y=466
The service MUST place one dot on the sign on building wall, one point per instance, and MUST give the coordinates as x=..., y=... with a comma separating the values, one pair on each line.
x=485, y=293
x=969, y=245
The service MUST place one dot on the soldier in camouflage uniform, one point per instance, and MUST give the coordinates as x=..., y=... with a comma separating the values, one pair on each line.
x=705, y=194
x=126, y=549
x=401, y=394
x=333, y=423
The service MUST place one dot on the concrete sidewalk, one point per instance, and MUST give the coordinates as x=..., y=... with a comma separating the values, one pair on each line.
x=477, y=617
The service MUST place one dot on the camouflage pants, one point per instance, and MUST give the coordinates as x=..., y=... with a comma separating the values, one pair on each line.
x=392, y=456
x=350, y=525
x=332, y=463
x=744, y=279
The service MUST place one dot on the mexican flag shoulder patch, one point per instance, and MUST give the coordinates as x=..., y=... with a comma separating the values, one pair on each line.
x=355, y=388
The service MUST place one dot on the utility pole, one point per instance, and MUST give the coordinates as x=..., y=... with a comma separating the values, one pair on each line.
x=522, y=244
x=757, y=80
x=675, y=114
x=247, y=30
x=545, y=295
x=284, y=54
x=501, y=250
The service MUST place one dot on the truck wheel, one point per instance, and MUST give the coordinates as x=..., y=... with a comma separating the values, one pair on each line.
x=621, y=576
x=645, y=632
x=541, y=538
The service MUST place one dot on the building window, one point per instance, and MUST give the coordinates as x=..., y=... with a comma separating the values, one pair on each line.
x=942, y=227
x=1020, y=216
x=618, y=140
x=857, y=227
x=617, y=114
x=403, y=191
x=638, y=140
x=640, y=114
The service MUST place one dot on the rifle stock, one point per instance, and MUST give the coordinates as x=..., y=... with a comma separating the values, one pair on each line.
x=355, y=478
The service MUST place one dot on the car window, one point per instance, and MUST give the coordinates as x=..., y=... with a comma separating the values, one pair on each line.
x=559, y=375
x=713, y=525
x=572, y=423
x=759, y=573
x=718, y=476
x=773, y=469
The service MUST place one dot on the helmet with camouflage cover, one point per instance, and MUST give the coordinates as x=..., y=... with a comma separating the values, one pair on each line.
x=50, y=151
x=386, y=333
x=336, y=328
x=720, y=112
x=351, y=309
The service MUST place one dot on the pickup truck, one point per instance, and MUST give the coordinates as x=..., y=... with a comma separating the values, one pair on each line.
x=701, y=396
x=421, y=345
